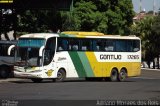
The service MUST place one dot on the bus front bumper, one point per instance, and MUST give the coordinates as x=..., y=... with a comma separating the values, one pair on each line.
x=27, y=75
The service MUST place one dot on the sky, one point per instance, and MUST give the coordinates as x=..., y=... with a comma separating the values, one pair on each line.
x=146, y=4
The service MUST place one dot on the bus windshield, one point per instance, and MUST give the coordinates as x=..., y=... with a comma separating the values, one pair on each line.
x=28, y=52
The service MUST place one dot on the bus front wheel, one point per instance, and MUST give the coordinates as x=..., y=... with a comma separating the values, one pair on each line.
x=114, y=75
x=61, y=75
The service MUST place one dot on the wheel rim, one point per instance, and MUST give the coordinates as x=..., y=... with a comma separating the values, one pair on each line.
x=114, y=75
x=59, y=76
x=122, y=75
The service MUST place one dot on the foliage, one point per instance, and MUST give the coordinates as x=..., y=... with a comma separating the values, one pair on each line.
x=143, y=29
x=33, y=21
x=107, y=16
x=156, y=35
x=148, y=30
x=68, y=22
x=156, y=25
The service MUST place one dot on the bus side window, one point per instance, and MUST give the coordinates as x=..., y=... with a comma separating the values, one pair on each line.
x=97, y=45
x=49, y=50
x=62, y=44
x=94, y=44
x=85, y=45
x=129, y=46
x=4, y=49
x=121, y=46
x=136, y=46
x=74, y=45
x=108, y=45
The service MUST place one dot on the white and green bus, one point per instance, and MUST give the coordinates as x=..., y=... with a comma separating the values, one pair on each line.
x=71, y=54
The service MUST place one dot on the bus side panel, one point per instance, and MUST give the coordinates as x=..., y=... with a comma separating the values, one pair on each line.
x=82, y=64
x=97, y=67
x=86, y=64
x=63, y=60
x=102, y=67
x=75, y=59
x=133, y=69
x=136, y=69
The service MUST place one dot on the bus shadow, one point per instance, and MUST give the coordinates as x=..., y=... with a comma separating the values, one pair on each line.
x=69, y=81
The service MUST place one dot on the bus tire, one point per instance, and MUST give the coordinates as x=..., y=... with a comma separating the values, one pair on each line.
x=114, y=75
x=36, y=80
x=61, y=75
x=4, y=72
x=122, y=75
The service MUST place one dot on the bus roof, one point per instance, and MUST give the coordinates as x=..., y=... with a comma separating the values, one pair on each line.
x=121, y=37
x=94, y=35
x=39, y=35
x=77, y=35
x=83, y=33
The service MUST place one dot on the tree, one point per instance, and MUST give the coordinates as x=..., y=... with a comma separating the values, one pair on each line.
x=87, y=14
x=120, y=16
x=107, y=16
x=6, y=22
x=69, y=23
x=156, y=26
x=156, y=37
x=148, y=30
x=33, y=21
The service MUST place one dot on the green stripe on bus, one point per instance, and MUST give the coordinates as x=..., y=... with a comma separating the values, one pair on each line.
x=63, y=35
x=66, y=35
x=71, y=35
x=77, y=63
x=86, y=64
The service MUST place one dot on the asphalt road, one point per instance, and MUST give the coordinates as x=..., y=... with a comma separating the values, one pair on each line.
x=144, y=89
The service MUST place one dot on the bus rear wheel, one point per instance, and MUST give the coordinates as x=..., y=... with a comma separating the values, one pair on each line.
x=36, y=80
x=61, y=75
x=122, y=75
x=114, y=75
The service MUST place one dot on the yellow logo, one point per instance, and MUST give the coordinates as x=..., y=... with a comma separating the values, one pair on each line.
x=49, y=72
x=6, y=1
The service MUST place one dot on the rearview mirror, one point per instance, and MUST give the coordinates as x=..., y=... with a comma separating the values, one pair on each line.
x=41, y=51
x=10, y=48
